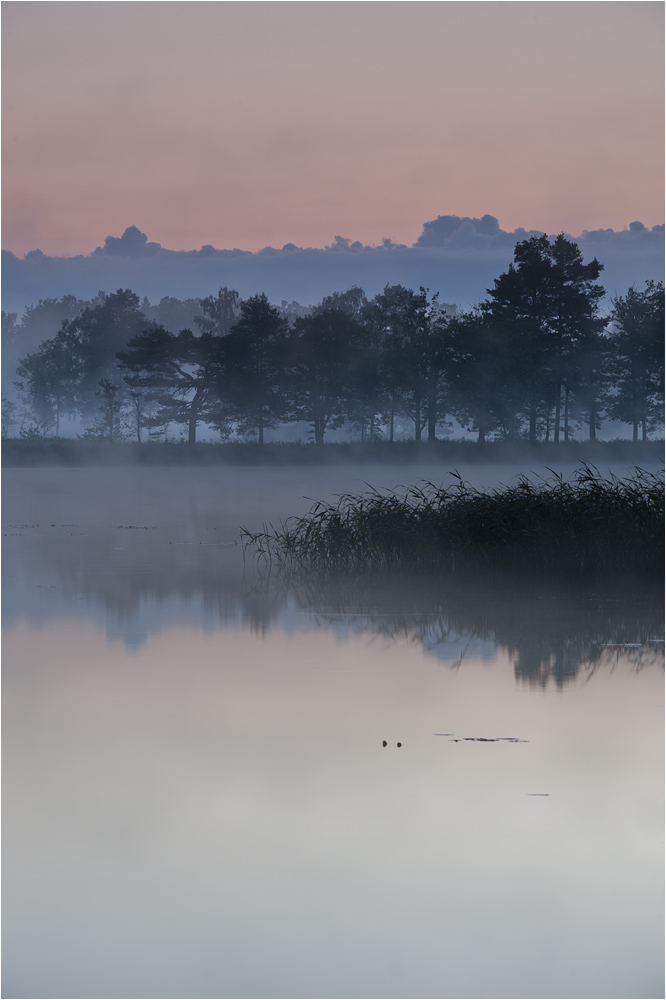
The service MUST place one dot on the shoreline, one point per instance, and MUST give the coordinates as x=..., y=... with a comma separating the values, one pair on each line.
x=21, y=453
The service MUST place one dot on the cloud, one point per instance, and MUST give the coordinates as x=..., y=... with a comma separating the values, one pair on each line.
x=438, y=232
x=133, y=243
x=456, y=256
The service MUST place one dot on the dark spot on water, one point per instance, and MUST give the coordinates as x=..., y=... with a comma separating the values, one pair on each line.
x=491, y=739
x=384, y=743
x=398, y=744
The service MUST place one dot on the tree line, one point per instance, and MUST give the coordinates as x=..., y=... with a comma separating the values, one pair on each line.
x=535, y=360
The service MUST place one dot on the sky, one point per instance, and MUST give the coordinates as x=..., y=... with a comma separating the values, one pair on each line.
x=258, y=124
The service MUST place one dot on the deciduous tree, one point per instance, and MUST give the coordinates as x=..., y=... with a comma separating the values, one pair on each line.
x=179, y=373
x=320, y=365
x=49, y=380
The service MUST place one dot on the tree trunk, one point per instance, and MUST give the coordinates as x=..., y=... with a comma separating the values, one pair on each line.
x=566, y=412
x=593, y=421
x=558, y=402
x=482, y=432
x=417, y=421
x=192, y=429
x=533, y=423
x=644, y=429
x=635, y=435
x=137, y=407
x=261, y=425
x=432, y=421
x=391, y=425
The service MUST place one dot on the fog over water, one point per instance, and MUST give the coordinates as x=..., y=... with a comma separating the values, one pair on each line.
x=197, y=799
x=118, y=543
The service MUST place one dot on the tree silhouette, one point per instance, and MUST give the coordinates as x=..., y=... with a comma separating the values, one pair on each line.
x=320, y=353
x=8, y=415
x=369, y=400
x=95, y=337
x=484, y=382
x=548, y=300
x=220, y=312
x=177, y=372
x=636, y=358
x=110, y=424
x=414, y=361
x=536, y=348
x=49, y=379
x=255, y=353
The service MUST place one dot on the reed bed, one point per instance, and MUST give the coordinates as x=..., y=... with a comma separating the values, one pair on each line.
x=587, y=524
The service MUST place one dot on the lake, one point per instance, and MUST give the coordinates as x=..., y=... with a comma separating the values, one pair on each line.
x=197, y=798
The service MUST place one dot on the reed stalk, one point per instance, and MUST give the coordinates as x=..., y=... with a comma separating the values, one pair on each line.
x=587, y=524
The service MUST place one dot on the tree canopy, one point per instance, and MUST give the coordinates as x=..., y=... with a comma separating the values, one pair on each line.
x=537, y=359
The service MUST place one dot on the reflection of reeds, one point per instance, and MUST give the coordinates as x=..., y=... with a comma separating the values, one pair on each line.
x=553, y=629
x=587, y=524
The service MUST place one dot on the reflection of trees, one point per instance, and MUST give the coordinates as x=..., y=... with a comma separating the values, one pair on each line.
x=125, y=568
x=551, y=630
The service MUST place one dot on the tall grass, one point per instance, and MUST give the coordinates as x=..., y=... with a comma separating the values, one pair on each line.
x=587, y=524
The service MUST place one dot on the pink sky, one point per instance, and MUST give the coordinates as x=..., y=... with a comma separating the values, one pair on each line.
x=247, y=124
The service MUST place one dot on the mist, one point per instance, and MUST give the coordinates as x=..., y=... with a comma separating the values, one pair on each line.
x=332, y=501
x=458, y=257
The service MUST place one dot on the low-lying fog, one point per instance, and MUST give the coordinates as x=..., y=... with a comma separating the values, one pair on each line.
x=198, y=800
x=182, y=503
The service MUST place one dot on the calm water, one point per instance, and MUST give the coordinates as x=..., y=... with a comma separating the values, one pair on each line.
x=197, y=802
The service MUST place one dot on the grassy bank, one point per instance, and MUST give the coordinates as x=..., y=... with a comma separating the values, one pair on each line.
x=17, y=452
x=585, y=525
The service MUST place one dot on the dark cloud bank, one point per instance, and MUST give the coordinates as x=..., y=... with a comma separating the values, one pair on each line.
x=458, y=257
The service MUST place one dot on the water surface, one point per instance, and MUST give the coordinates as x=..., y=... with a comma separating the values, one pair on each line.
x=197, y=800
